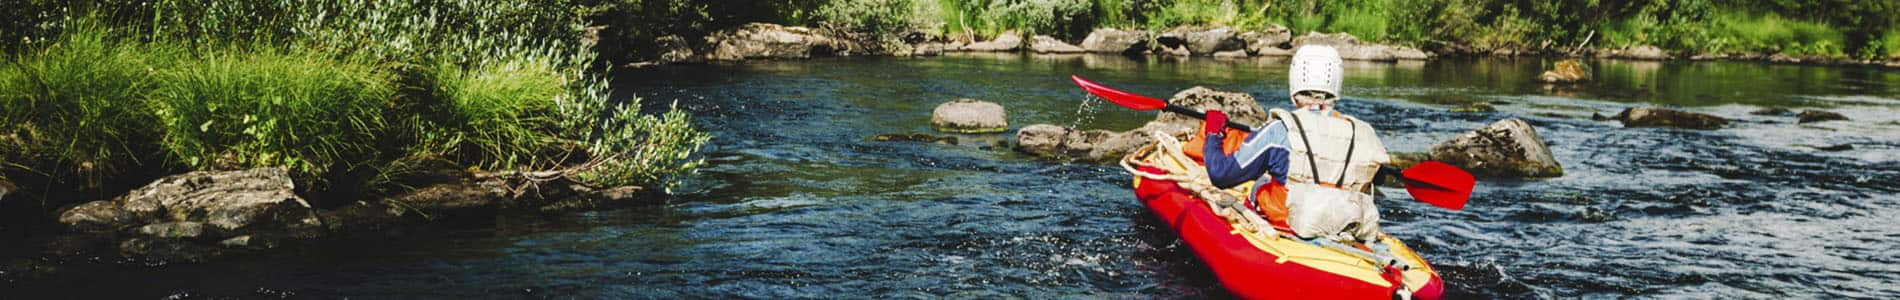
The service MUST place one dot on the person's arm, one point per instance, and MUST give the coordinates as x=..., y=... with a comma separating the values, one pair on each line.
x=1227, y=170
x=1268, y=147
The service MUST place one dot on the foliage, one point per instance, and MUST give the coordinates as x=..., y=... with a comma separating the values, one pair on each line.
x=74, y=111
x=244, y=108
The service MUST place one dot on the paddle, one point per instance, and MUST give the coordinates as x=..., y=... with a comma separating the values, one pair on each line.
x=1432, y=182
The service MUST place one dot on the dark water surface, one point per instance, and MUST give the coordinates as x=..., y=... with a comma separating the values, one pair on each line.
x=797, y=202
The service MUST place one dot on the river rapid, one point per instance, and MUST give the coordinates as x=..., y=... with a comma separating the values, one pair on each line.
x=797, y=201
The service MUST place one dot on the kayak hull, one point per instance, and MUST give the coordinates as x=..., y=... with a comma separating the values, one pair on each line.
x=1280, y=268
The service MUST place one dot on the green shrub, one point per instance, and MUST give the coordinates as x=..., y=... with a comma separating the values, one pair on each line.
x=251, y=107
x=74, y=110
x=498, y=113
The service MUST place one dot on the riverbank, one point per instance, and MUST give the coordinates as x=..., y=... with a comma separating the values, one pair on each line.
x=185, y=130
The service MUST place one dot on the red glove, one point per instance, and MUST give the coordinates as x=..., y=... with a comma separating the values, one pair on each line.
x=1216, y=123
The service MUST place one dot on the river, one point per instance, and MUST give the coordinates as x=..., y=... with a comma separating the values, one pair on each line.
x=797, y=201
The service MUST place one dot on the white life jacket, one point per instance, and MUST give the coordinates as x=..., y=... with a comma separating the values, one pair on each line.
x=1331, y=163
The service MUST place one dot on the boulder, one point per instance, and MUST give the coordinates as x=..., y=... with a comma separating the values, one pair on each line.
x=970, y=116
x=1260, y=41
x=1810, y=116
x=1042, y=140
x=179, y=230
x=1271, y=51
x=1508, y=148
x=762, y=40
x=1008, y=41
x=927, y=49
x=1644, y=52
x=1565, y=71
x=1660, y=117
x=675, y=49
x=1231, y=54
x=1408, y=53
x=229, y=200
x=1202, y=42
x=1239, y=107
x=1048, y=44
x=1349, y=47
x=1110, y=40
x=101, y=216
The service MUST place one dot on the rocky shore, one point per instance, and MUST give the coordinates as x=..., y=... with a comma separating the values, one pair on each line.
x=771, y=41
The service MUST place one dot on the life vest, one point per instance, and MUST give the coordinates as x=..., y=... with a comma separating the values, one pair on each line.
x=1331, y=163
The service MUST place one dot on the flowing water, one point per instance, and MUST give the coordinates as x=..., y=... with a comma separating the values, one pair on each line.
x=798, y=201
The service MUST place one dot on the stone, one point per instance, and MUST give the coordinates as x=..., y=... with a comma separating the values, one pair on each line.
x=675, y=49
x=1042, y=139
x=1272, y=38
x=1110, y=40
x=1202, y=42
x=1643, y=52
x=229, y=200
x=1349, y=47
x=771, y=41
x=1240, y=107
x=1566, y=71
x=1274, y=52
x=1180, y=51
x=241, y=241
x=1508, y=148
x=1770, y=111
x=1047, y=44
x=1408, y=53
x=970, y=116
x=927, y=49
x=178, y=230
x=6, y=188
x=1085, y=141
x=101, y=216
x=1008, y=41
x=1660, y=117
x=1231, y=54
x=1811, y=116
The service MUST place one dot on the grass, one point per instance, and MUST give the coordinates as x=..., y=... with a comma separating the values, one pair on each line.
x=335, y=90
x=1771, y=33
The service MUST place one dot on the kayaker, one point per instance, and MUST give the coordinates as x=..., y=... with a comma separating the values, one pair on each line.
x=1313, y=166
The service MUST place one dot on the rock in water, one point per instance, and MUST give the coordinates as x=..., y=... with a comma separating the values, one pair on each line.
x=761, y=40
x=1659, y=117
x=229, y=200
x=1048, y=44
x=1565, y=71
x=1239, y=107
x=1260, y=41
x=1008, y=41
x=1109, y=40
x=1041, y=139
x=1350, y=48
x=1209, y=41
x=1810, y=116
x=970, y=116
x=101, y=216
x=179, y=230
x=674, y=49
x=1508, y=148
x=1644, y=52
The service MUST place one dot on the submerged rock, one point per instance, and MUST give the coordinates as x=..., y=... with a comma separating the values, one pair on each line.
x=1660, y=117
x=1566, y=71
x=1008, y=41
x=179, y=230
x=1508, y=148
x=1474, y=108
x=1110, y=40
x=1810, y=116
x=914, y=137
x=1047, y=44
x=1042, y=140
x=970, y=116
x=1644, y=52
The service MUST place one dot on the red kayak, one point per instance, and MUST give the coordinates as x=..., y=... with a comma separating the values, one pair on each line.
x=1266, y=266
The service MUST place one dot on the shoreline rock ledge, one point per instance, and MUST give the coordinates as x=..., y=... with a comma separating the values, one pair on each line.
x=1104, y=146
x=1508, y=148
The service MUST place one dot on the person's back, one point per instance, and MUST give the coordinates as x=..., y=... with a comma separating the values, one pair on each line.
x=1318, y=164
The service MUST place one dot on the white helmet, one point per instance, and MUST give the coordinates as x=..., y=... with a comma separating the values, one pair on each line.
x=1315, y=68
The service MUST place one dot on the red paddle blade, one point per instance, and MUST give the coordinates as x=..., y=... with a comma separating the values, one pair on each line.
x=1439, y=184
x=1125, y=99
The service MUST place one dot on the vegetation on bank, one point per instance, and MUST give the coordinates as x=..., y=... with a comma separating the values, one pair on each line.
x=1830, y=28
x=103, y=96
